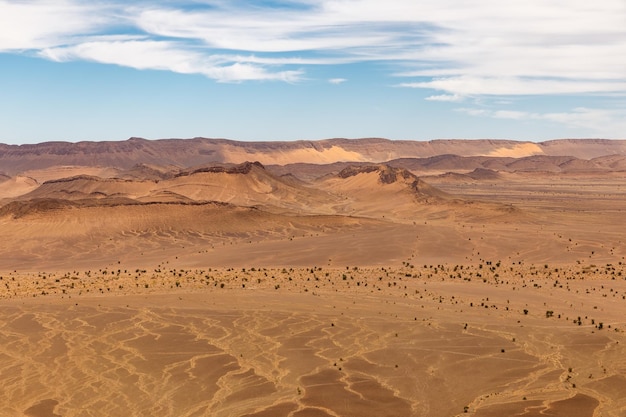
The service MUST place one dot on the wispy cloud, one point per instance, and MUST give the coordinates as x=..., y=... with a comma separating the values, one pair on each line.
x=28, y=25
x=591, y=121
x=337, y=81
x=445, y=97
x=457, y=48
x=465, y=85
x=165, y=55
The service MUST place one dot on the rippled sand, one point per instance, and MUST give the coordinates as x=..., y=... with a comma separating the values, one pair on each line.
x=377, y=343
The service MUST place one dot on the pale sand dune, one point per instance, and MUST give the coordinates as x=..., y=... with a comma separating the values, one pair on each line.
x=317, y=155
x=518, y=150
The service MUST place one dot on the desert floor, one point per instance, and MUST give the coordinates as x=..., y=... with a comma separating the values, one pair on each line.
x=411, y=341
x=459, y=308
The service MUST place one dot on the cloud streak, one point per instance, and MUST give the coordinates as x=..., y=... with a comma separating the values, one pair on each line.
x=593, y=121
x=168, y=56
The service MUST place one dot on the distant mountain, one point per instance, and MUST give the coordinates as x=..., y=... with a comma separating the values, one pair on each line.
x=184, y=153
x=375, y=201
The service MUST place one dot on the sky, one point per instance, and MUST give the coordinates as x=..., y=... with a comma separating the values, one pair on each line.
x=78, y=70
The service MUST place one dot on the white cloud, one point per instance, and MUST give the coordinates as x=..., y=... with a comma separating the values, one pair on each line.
x=474, y=111
x=163, y=55
x=40, y=24
x=259, y=30
x=502, y=85
x=445, y=97
x=602, y=122
x=457, y=47
x=337, y=81
x=610, y=123
x=510, y=114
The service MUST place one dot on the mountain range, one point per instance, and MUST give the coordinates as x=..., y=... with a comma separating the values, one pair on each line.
x=200, y=151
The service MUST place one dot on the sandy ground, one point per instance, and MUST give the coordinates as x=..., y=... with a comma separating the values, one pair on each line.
x=507, y=300
x=416, y=341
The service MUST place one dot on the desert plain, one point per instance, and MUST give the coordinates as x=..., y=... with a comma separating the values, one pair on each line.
x=331, y=278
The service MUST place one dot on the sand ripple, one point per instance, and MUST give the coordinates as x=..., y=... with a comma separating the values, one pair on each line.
x=269, y=352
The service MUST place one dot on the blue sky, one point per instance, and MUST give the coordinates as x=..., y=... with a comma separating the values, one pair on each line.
x=76, y=70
